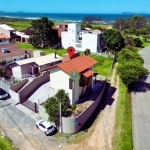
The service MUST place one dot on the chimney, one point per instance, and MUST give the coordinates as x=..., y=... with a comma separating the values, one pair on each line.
x=55, y=55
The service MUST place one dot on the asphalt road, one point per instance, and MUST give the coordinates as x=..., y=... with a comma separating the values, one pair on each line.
x=141, y=108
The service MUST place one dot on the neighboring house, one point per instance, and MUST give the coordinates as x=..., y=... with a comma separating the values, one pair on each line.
x=61, y=27
x=22, y=37
x=7, y=30
x=81, y=39
x=33, y=67
x=4, y=39
x=12, y=52
x=60, y=77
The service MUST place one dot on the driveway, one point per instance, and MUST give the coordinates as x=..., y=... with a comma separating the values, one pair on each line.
x=20, y=128
x=42, y=93
x=141, y=108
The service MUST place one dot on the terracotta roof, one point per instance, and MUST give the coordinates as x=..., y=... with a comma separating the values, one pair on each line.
x=2, y=36
x=14, y=50
x=88, y=73
x=79, y=63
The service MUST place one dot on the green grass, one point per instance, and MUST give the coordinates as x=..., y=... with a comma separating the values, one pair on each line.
x=123, y=130
x=19, y=25
x=46, y=51
x=6, y=144
x=103, y=66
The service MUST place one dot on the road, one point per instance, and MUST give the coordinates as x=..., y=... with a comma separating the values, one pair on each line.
x=141, y=108
x=20, y=128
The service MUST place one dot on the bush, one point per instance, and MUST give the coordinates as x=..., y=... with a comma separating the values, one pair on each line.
x=138, y=42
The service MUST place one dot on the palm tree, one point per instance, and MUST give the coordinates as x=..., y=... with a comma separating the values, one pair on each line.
x=73, y=108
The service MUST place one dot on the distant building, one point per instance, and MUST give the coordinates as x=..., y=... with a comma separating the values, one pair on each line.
x=12, y=52
x=81, y=39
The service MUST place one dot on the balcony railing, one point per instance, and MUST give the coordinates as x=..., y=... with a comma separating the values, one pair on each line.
x=28, y=76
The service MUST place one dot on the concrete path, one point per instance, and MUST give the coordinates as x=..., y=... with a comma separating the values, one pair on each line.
x=42, y=93
x=20, y=128
x=141, y=108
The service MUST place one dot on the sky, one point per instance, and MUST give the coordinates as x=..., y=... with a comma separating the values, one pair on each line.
x=76, y=6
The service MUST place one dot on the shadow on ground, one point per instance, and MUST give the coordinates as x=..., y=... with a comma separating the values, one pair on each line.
x=106, y=100
x=140, y=86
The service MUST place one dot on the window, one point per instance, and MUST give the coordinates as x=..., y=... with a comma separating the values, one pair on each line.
x=80, y=38
x=70, y=83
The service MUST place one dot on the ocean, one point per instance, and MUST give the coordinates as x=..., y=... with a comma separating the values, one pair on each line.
x=65, y=17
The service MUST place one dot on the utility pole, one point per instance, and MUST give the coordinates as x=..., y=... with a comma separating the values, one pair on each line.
x=60, y=121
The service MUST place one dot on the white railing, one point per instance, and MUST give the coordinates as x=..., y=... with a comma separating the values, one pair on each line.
x=28, y=76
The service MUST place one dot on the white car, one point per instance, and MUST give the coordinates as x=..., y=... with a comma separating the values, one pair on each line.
x=45, y=126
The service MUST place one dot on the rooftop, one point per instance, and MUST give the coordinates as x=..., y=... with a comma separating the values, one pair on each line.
x=41, y=60
x=14, y=50
x=79, y=63
x=2, y=36
x=6, y=27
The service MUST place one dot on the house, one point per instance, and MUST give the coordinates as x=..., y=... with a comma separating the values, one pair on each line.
x=60, y=76
x=12, y=52
x=7, y=30
x=4, y=39
x=81, y=39
x=33, y=67
x=61, y=27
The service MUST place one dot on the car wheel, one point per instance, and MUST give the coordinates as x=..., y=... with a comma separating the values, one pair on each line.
x=37, y=126
x=46, y=134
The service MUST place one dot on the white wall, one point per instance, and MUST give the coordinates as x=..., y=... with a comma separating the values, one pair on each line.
x=89, y=41
x=17, y=72
x=60, y=80
x=14, y=95
x=77, y=90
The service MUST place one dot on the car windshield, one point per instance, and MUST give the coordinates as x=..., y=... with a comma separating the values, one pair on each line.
x=50, y=127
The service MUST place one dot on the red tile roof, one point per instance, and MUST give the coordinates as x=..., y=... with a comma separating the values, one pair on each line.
x=79, y=63
x=88, y=73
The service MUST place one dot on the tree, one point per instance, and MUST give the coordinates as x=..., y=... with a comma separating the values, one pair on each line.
x=120, y=24
x=113, y=39
x=131, y=71
x=62, y=96
x=138, y=42
x=91, y=19
x=52, y=109
x=128, y=54
x=42, y=34
x=136, y=22
x=52, y=105
x=73, y=108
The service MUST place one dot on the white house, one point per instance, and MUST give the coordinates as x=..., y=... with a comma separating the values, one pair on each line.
x=60, y=77
x=33, y=67
x=81, y=40
x=7, y=30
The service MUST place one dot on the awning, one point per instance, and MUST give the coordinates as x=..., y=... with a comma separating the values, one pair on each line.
x=88, y=73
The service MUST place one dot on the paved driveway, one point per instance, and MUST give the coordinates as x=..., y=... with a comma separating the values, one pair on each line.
x=20, y=128
x=42, y=93
x=141, y=108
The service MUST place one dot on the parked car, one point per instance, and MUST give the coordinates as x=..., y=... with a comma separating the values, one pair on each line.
x=45, y=126
x=3, y=94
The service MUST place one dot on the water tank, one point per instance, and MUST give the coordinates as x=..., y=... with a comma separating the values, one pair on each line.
x=4, y=50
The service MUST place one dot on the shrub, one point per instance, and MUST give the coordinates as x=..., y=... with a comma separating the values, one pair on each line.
x=138, y=42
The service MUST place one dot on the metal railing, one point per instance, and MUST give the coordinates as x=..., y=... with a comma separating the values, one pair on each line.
x=28, y=76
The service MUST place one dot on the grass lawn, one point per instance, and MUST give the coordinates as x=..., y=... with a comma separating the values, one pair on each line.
x=103, y=66
x=19, y=25
x=6, y=144
x=123, y=131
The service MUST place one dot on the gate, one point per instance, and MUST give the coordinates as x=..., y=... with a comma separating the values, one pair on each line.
x=30, y=105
